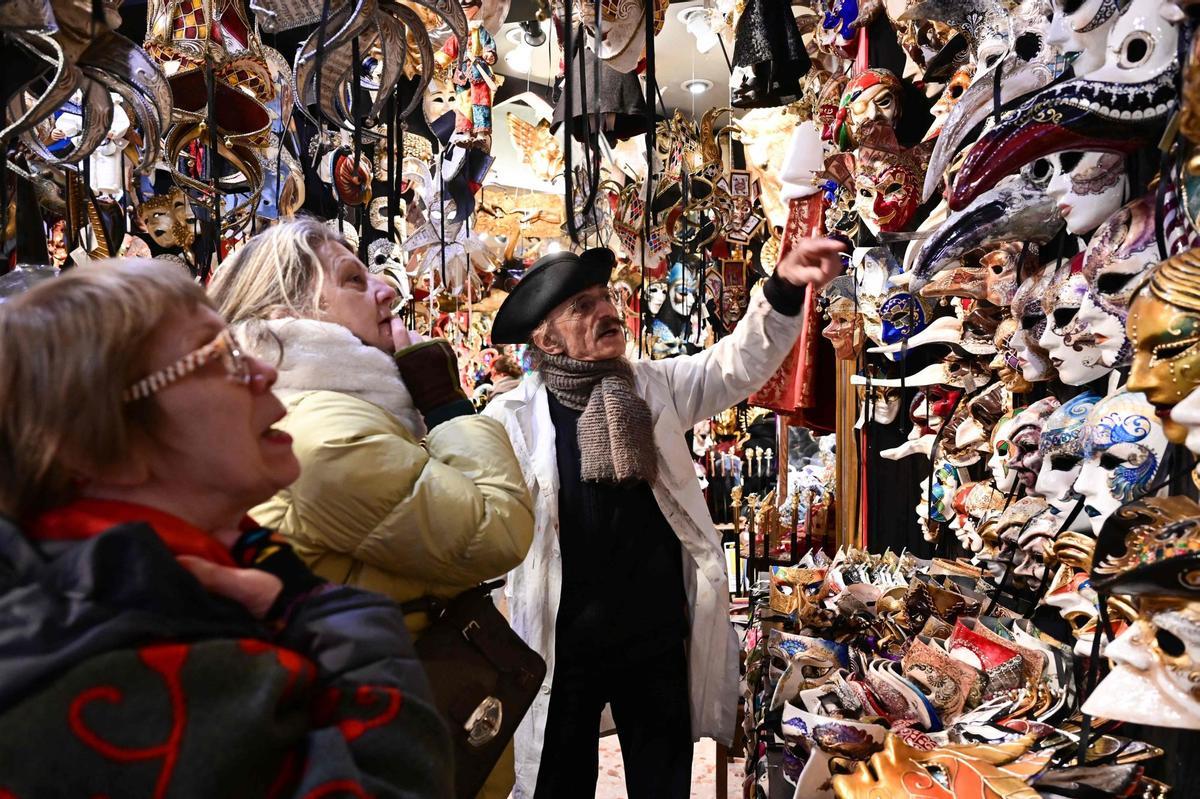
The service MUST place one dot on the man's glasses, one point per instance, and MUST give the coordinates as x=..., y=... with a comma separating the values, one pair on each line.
x=237, y=367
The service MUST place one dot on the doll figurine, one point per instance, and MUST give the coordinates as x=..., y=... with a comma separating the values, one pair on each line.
x=473, y=80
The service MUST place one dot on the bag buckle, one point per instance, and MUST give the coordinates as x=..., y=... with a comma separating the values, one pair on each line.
x=485, y=721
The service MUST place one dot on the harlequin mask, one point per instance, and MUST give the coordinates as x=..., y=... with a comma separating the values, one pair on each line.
x=1115, y=265
x=1026, y=435
x=1061, y=448
x=1123, y=446
x=837, y=26
x=888, y=183
x=1164, y=330
x=1031, y=319
x=1075, y=361
x=871, y=96
x=1119, y=107
x=1007, y=367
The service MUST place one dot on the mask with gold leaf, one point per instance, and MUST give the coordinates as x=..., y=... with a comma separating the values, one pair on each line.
x=845, y=328
x=168, y=219
x=1164, y=329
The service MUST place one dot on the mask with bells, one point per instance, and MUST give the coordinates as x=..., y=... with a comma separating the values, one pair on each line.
x=871, y=96
x=1124, y=444
x=1117, y=261
x=1031, y=322
x=1164, y=331
x=1061, y=448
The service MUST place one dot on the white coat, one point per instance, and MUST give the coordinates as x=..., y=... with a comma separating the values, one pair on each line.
x=680, y=392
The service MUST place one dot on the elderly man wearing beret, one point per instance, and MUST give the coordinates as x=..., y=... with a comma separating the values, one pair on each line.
x=624, y=591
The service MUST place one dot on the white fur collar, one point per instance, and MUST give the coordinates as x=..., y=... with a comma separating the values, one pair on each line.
x=323, y=356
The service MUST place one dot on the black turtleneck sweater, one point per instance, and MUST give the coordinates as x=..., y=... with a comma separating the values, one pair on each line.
x=623, y=597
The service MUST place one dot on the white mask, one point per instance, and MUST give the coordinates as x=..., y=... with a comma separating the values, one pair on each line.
x=1187, y=414
x=1062, y=451
x=1086, y=187
x=1124, y=444
x=1031, y=319
x=1002, y=451
x=1075, y=365
x=1084, y=31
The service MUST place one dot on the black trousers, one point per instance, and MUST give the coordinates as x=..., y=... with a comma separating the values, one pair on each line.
x=650, y=706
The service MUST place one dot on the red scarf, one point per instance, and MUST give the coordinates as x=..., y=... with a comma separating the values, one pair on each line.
x=86, y=518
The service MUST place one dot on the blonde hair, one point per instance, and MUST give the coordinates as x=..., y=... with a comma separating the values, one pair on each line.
x=73, y=344
x=276, y=273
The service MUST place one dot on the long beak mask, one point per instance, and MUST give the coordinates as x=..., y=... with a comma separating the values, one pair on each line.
x=1015, y=210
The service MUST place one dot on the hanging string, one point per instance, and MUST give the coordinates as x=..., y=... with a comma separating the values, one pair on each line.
x=355, y=92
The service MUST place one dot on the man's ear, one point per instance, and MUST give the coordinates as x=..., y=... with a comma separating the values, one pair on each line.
x=546, y=341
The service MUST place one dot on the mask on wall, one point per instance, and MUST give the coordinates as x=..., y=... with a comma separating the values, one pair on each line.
x=1062, y=451
x=871, y=96
x=1123, y=446
x=972, y=503
x=935, y=508
x=1013, y=519
x=1006, y=363
x=656, y=295
x=1115, y=266
x=168, y=219
x=903, y=315
x=682, y=285
x=1033, y=544
x=875, y=270
x=1081, y=29
x=881, y=406
x=887, y=180
x=1164, y=331
x=1076, y=360
x=845, y=329
x=1026, y=435
x=965, y=281
x=1087, y=187
x=1117, y=108
x=1000, y=464
x=950, y=95
x=1000, y=267
x=1027, y=309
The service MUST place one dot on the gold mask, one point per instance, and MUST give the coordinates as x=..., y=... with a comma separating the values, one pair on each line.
x=1164, y=329
x=979, y=771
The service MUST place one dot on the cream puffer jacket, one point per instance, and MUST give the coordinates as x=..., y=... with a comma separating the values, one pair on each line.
x=374, y=508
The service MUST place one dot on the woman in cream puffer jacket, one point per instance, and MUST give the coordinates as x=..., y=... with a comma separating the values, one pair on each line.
x=403, y=490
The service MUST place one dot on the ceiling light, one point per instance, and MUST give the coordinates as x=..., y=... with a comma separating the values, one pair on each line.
x=696, y=85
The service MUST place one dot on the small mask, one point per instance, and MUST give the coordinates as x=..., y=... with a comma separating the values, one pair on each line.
x=1117, y=261
x=1123, y=446
x=945, y=104
x=1031, y=319
x=1026, y=435
x=845, y=328
x=1000, y=270
x=1164, y=331
x=872, y=96
x=1061, y=448
x=1000, y=464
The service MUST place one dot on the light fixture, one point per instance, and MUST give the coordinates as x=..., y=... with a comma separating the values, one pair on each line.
x=696, y=85
x=535, y=36
x=515, y=35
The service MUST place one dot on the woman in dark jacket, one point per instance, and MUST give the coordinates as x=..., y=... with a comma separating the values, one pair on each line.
x=153, y=641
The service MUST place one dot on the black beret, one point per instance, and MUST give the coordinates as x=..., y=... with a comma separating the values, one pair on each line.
x=552, y=280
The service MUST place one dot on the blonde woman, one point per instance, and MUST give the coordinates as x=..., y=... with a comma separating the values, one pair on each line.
x=373, y=508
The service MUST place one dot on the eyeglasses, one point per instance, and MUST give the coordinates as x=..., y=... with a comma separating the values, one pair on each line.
x=582, y=306
x=237, y=367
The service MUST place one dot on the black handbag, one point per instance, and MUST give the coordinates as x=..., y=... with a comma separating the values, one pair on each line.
x=484, y=678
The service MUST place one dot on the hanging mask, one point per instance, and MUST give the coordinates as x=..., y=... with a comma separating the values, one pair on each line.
x=1000, y=267
x=984, y=412
x=1062, y=451
x=1006, y=364
x=1164, y=330
x=1027, y=309
x=1082, y=29
x=935, y=508
x=974, y=502
x=881, y=405
x=838, y=31
x=1124, y=444
x=1015, y=517
x=979, y=328
x=903, y=316
x=959, y=281
x=1075, y=363
x=1115, y=266
x=1087, y=187
x=875, y=270
x=169, y=220
x=845, y=330
x=887, y=181
x=656, y=295
x=1026, y=435
x=1117, y=108
x=682, y=285
x=945, y=104
x=871, y=96
x=949, y=448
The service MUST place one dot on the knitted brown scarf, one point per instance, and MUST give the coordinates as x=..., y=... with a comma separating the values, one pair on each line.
x=616, y=430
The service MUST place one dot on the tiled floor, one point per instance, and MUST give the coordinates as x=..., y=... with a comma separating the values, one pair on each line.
x=611, y=784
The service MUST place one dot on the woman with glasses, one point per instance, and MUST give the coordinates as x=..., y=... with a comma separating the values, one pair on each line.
x=155, y=641
x=373, y=507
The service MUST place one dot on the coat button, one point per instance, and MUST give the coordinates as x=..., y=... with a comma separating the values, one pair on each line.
x=546, y=688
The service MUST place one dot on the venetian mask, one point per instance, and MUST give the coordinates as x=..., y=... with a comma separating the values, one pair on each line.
x=1076, y=359
x=871, y=96
x=882, y=406
x=1000, y=464
x=656, y=295
x=1123, y=446
x=983, y=413
x=1026, y=435
x=1082, y=29
x=1164, y=331
x=903, y=315
x=1013, y=519
x=954, y=89
x=1187, y=416
x=1031, y=320
x=1116, y=262
x=1006, y=364
x=845, y=329
x=1156, y=667
x=974, y=502
x=935, y=505
x=1000, y=270
x=888, y=185
x=1033, y=542
x=681, y=288
x=168, y=219
x=1087, y=187
x=1062, y=451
